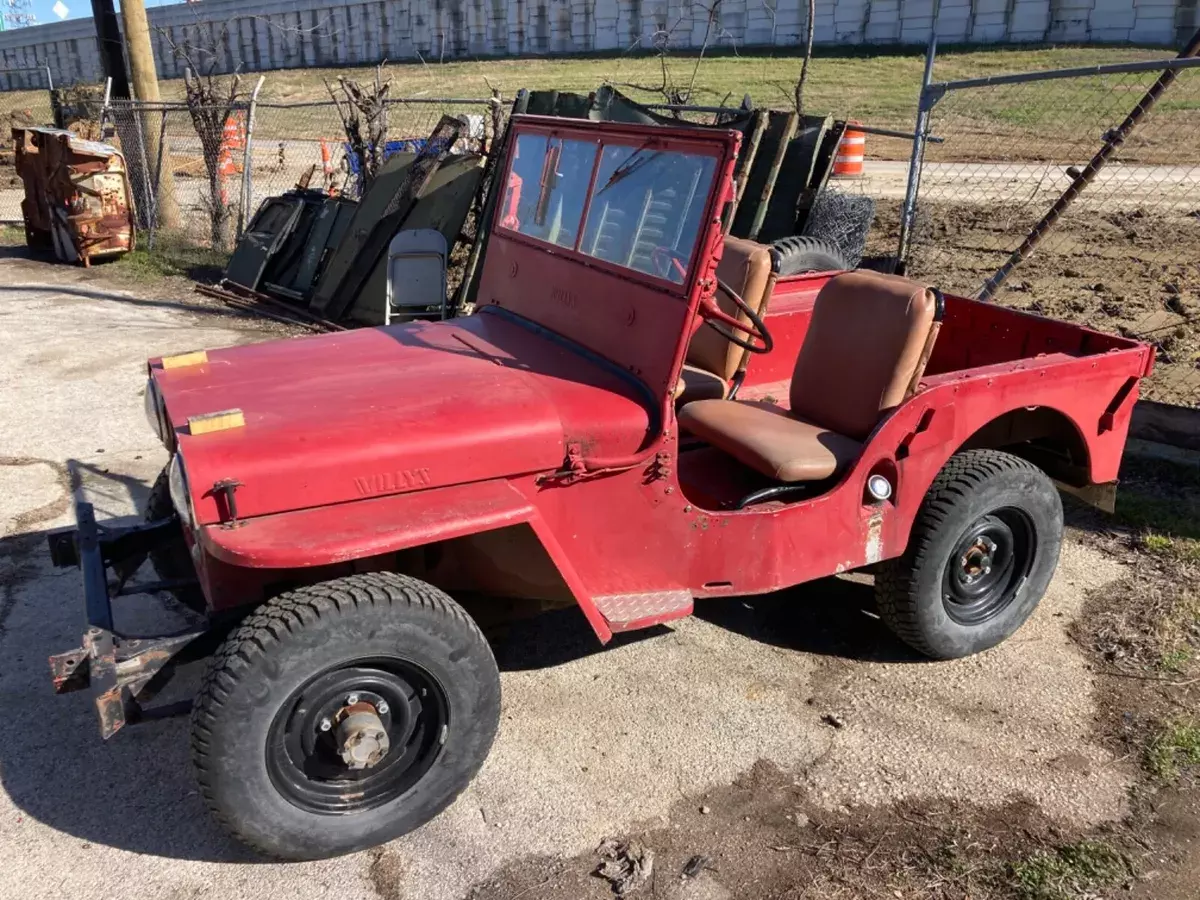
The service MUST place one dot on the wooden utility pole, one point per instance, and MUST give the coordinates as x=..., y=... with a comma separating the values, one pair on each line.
x=144, y=78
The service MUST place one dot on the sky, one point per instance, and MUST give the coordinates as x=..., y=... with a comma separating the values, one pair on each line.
x=79, y=9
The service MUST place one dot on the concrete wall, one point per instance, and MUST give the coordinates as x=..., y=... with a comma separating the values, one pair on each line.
x=274, y=34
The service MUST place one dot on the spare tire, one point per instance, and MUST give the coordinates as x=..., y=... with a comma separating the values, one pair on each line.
x=798, y=254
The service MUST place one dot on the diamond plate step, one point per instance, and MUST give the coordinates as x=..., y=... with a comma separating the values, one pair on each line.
x=629, y=612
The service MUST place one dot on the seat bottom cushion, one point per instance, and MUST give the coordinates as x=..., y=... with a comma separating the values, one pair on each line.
x=769, y=439
x=698, y=384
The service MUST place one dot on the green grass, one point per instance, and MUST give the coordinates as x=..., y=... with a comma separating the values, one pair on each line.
x=1175, y=748
x=1168, y=528
x=1176, y=660
x=1069, y=872
x=170, y=260
x=11, y=235
x=878, y=87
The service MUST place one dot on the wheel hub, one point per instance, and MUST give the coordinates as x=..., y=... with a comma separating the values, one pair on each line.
x=362, y=739
x=357, y=735
x=988, y=566
x=977, y=561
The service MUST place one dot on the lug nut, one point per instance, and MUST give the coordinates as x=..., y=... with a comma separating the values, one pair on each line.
x=352, y=699
x=382, y=708
x=326, y=725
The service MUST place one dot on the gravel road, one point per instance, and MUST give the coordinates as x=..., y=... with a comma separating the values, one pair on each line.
x=591, y=742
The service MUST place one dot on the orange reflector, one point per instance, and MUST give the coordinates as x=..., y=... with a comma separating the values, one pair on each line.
x=195, y=358
x=216, y=421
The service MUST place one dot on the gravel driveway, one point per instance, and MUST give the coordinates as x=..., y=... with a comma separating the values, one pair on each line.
x=591, y=742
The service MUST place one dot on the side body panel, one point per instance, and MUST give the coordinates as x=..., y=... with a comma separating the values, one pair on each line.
x=635, y=531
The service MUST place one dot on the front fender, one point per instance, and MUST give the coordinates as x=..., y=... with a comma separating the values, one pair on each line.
x=325, y=535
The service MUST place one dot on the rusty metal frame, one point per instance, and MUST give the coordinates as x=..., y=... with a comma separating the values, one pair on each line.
x=122, y=670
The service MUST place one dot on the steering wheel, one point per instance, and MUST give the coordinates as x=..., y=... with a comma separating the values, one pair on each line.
x=724, y=324
x=662, y=258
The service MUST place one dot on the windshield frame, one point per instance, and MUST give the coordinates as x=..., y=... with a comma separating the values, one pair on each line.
x=611, y=134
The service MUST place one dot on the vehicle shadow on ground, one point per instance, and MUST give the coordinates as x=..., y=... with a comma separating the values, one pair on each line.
x=829, y=617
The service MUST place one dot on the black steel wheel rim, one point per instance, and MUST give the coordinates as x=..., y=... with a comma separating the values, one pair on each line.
x=989, y=564
x=304, y=762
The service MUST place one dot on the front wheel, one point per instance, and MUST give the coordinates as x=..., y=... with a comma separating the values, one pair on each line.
x=982, y=551
x=344, y=714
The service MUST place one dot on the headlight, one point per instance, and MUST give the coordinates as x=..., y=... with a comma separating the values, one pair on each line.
x=181, y=497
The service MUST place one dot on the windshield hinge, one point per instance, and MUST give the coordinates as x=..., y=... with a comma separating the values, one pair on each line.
x=574, y=462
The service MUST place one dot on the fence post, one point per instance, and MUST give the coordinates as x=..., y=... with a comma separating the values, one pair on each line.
x=150, y=193
x=162, y=140
x=105, y=107
x=247, y=161
x=917, y=160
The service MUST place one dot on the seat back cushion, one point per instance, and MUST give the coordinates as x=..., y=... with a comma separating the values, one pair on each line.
x=861, y=356
x=746, y=267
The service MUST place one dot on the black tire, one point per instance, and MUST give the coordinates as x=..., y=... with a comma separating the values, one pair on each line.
x=172, y=561
x=950, y=594
x=798, y=254
x=252, y=707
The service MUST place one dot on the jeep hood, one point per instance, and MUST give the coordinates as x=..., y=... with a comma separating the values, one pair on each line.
x=341, y=417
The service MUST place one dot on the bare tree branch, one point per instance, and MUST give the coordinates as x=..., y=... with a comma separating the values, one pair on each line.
x=364, y=108
x=211, y=100
x=808, y=48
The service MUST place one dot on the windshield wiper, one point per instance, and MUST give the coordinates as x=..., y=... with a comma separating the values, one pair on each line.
x=631, y=165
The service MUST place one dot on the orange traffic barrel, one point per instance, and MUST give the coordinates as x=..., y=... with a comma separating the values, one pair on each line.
x=234, y=135
x=850, y=153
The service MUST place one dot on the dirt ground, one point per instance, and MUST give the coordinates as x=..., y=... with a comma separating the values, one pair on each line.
x=785, y=746
x=1133, y=272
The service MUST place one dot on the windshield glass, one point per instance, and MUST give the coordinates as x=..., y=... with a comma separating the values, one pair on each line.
x=547, y=188
x=645, y=211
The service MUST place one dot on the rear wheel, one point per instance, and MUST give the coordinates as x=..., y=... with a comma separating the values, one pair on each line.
x=983, y=549
x=343, y=715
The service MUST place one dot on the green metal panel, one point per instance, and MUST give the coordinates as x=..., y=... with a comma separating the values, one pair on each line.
x=443, y=207
x=366, y=217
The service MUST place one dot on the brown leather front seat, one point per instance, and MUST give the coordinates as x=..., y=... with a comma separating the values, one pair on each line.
x=866, y=348
x=748, y=268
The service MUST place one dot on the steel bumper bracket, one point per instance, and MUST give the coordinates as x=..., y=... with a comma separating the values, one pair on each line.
x=120, y=670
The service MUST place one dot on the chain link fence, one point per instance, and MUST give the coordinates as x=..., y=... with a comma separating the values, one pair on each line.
x=195, y=182
x=1123, y=256
x=24, y=100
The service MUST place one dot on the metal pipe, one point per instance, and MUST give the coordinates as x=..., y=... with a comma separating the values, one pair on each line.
x=1178, y=62
x=683, y=107
x=888, y=132
x=105, y=107
x=917, y=160
x=1112, y=142
x=247, y=161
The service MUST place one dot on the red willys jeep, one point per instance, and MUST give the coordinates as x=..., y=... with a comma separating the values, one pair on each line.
x=641, y=413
